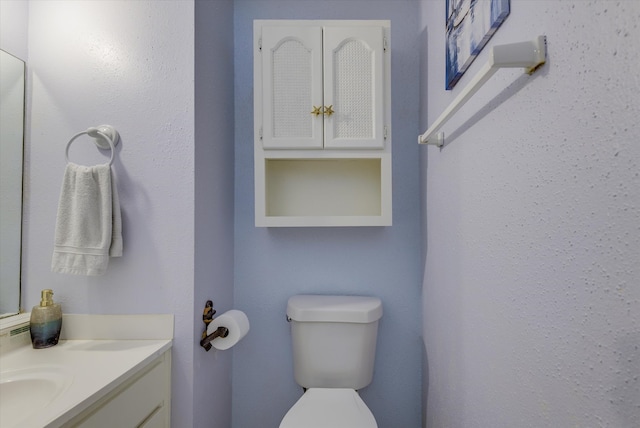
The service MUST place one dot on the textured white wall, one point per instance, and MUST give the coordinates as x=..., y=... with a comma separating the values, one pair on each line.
x=531, y=298
x=131, y=65
x=14, y=15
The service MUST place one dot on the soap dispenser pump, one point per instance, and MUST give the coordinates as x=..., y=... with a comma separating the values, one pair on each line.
x=46, y=322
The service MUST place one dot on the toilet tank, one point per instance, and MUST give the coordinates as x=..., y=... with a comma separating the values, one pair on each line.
x=333, y=339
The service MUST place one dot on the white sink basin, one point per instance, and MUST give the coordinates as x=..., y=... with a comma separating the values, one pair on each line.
x=24, y=391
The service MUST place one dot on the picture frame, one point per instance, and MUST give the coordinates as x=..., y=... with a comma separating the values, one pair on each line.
x=469, y=26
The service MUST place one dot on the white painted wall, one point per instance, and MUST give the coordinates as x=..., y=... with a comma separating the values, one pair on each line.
x=14, y=15
x=131, y=65
x=531, y=299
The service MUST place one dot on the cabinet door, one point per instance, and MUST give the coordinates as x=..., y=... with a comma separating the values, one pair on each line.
x=292, y=87
x=354, y=87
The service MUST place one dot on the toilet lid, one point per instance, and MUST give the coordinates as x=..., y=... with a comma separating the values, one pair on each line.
x=329, y=408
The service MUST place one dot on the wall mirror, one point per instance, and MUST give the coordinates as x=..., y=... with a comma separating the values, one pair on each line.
x=12, y=101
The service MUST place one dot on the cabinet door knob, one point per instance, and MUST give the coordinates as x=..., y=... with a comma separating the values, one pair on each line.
x=316, y=111
x=329, y=110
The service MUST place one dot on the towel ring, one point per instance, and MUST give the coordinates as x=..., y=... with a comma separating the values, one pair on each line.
x=105, y=136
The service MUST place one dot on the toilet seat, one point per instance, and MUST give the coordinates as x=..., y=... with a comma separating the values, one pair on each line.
x=329, y=408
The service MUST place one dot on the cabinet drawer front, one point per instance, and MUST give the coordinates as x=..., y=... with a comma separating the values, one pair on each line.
x=158, y=420
x=132, y=406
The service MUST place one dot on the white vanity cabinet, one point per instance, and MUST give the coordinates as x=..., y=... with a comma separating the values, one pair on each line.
x=143, y=400
x=322, y=123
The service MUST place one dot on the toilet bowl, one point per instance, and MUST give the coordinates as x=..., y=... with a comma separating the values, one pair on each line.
x=329, y=408
x=334, y=342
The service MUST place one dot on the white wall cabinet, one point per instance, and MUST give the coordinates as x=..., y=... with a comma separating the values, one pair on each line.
x=322, y=123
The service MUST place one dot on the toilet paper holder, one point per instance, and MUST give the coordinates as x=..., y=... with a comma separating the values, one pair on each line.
x=207, y=317
x=225, y=330
x=220, y=332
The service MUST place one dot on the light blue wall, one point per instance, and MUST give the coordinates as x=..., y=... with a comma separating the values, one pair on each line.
x=273, y=264
x=213, y=257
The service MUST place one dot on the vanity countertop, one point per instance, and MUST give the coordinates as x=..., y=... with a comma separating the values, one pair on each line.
x=84, y=369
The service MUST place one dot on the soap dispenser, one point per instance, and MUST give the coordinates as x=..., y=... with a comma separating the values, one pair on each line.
x=46, y=322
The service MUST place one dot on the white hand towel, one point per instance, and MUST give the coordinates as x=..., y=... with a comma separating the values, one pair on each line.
x=88, y=226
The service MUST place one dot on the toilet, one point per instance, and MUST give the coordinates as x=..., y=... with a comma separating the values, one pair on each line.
x=334, y=346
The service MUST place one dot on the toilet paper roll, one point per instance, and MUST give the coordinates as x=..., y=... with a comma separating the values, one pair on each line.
x=237, y=323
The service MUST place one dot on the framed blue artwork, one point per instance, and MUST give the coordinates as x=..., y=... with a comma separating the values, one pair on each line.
x=470, y=24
